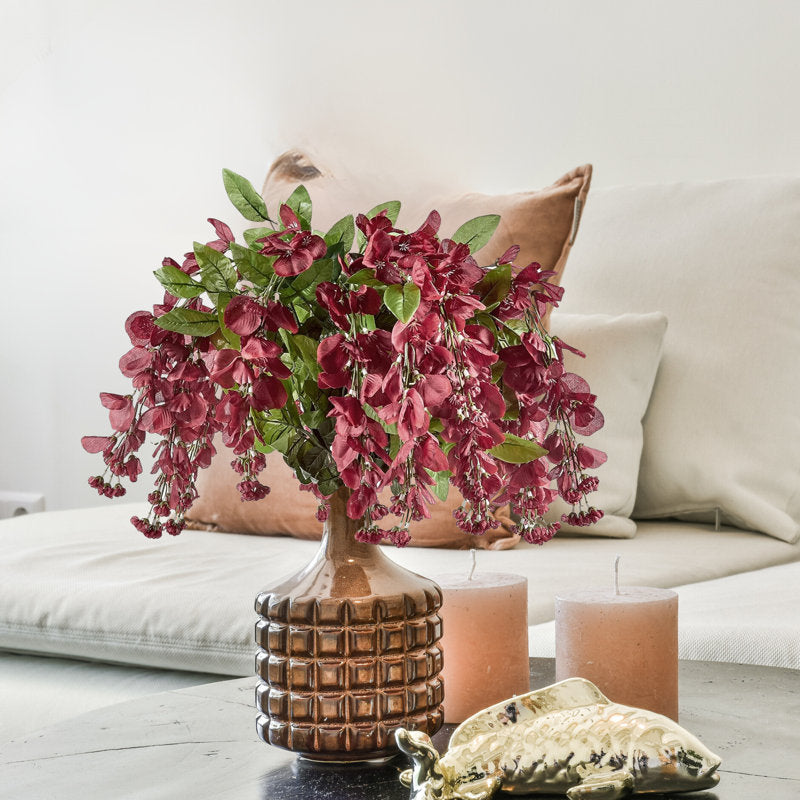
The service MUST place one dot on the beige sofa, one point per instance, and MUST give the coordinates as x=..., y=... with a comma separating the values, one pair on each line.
x=91, y=613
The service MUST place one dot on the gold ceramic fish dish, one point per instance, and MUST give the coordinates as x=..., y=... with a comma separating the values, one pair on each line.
x=568, y=738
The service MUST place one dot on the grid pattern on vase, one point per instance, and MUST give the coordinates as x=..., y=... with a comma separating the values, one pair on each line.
x=343, y=675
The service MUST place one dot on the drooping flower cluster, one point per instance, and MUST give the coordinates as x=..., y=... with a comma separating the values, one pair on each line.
x=395, y=360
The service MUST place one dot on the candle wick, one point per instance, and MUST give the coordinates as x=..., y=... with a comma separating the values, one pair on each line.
x=616, y=574
x=474, y=563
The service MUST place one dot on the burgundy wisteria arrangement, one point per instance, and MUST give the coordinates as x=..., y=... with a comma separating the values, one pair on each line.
x=369, y=357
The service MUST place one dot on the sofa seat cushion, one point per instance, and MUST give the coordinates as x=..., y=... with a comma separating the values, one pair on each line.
x=747, y=618
x=83, y=583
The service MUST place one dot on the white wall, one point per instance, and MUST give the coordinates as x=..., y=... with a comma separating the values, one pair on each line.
x=116, y=118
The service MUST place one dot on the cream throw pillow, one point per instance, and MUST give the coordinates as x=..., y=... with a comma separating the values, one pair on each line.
x=722, y=261
x=622, y=357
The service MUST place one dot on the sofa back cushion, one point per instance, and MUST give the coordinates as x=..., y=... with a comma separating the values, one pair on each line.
x=722, y=261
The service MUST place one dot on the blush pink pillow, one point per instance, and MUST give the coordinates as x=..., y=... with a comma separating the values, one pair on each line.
x=543, y=223
x=287, y=511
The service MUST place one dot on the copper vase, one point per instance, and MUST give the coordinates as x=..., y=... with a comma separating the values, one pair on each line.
x=348, y=651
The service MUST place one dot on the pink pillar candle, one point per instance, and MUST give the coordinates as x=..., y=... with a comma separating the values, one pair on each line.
x=625, y=643
x=484, y=641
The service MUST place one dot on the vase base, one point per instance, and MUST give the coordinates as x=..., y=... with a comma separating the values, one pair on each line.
x=334, y=760
x=332, y=756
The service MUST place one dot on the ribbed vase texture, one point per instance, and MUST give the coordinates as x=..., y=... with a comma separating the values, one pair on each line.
x=348, y=651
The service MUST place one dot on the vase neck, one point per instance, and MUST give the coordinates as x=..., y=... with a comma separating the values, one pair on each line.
x=339, y=536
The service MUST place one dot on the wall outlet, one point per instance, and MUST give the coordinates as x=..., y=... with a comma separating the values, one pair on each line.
x=14, y=504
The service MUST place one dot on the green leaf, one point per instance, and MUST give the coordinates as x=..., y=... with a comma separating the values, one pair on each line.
x=477, y=232
x=342, y=233
x=189, y=321
x=248, y=202
x=517, y=326
x=306, y=282
x=313, y=419
x=308, y=350
x=495, y=286
x=251, y=236
x=402, y=300
x=488, y=321
x=218, y=340
x=301, y=313
x=216, y=269
x=441, y=488
x=309, y=457
x=328, y=485
x=254, y=267
x=365, y=277
x=303, y=348
x=300, y=202
x=498, y=368
x=177, y=282
x=512, y=403
x=277, y=435
x=290, y=409
x=509, y=331
x=515, y=450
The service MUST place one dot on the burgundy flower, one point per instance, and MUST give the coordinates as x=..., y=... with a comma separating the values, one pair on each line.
x=229, y=369
x=509, y=255
x=406, y=402
x=454, y=269
x=332, y=298
x=303, y=249
x=97, y=444
x=243, y=315
x=371, y=225
x=417, y=267
x=409, y=414
x=134, y=362
x=223, y=231
x=139, y=327
x=380, y=257
x=268, y=392
x=590, y=457
x=277, y=315
x=332, y=357
x=364, y=300
x=121, y=411
x=296, y=254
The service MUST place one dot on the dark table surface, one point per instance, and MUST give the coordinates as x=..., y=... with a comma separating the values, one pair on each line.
x=201, y=743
